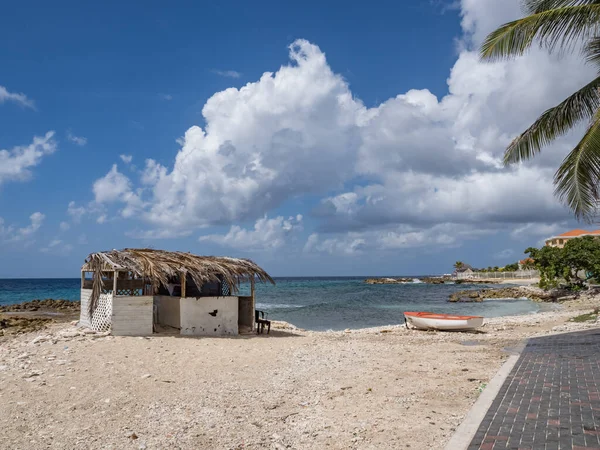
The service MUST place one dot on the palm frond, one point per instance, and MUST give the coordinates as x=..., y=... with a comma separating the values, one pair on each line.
x=555, y=28
x=592, y=51
x=537, y=6
x=555, y=122
x=577, y=178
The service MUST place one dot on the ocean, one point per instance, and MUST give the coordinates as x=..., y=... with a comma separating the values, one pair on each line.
x=315, y=303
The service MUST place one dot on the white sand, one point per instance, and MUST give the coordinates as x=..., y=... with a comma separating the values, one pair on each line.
x=380, y=388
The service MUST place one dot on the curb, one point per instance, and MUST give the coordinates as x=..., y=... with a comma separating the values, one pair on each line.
x=462, y=437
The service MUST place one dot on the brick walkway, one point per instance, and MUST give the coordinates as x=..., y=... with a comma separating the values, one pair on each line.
x=550, y=400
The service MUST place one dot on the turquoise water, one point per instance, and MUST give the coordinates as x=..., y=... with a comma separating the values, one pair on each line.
x=315, y=303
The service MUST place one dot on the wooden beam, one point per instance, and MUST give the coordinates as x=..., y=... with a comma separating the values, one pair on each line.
x=82, y=278
x=115, y=277
x=253, y=302
x=183, y=284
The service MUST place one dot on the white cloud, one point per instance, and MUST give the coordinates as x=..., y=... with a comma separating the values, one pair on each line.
x=350, y=244
x=267, y=234
x=505, y=254
x=64, y=226
x=400, y=172
x=20, y=99
x=166, y=97
x=76, y=212
x=77, y=140
x=126, y=158
x=538, y=230
x=102, y=219
x=56, y=246
x=228, y=73
x=157, y=234
x=393, y=238
x=11, y=233
x=15, y=163
x=116, y=187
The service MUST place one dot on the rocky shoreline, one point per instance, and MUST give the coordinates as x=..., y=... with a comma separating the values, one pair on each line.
x=427, y=280
x=519, y=292
x=36, y=315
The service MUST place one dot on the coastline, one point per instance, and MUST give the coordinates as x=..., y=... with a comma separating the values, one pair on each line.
x=382, y=387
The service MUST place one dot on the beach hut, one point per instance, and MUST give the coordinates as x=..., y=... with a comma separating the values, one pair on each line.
x=137, y=292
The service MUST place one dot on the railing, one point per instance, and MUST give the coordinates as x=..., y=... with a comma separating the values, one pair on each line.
x=519, y=274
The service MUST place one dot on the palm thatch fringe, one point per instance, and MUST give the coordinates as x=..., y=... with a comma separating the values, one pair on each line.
x=157, y=266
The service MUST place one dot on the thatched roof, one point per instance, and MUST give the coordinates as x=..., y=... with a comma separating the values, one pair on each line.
x=157, y=266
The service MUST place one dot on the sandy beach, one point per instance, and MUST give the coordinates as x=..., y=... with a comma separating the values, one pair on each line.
x=378, y=388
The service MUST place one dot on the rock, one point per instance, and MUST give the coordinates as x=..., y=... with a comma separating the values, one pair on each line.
x=39, y=339
x=69, y=334
x=502, y=293
x=133, y=436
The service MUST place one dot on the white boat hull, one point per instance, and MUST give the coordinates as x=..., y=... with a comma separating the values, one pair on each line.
x=448, y=323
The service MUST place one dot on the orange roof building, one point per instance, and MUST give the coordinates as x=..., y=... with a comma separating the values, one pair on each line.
x=560, y=240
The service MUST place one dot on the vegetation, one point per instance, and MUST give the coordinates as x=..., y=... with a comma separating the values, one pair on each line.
x=559, y=25
x=575, y=264
x=593, y=316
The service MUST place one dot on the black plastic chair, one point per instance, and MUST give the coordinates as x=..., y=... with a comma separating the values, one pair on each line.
x=261, y=321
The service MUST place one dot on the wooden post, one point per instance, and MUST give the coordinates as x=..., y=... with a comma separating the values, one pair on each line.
x=253, y=309
x=115, y=276
x=82, y=279
x=183, y=284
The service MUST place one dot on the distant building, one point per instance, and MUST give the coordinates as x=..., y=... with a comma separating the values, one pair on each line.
x=465, y=271
x=560, y=240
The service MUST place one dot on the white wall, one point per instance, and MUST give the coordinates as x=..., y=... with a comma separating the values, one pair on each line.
x=168, y=309
x=132, y=316
x=196, y=320
x=84, y=318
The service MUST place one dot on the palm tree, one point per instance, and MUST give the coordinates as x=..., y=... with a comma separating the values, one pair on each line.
x=559, y=25
x=459, y=264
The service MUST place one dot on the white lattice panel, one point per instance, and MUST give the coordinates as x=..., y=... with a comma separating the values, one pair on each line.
x=84, y=318
x=103, y=313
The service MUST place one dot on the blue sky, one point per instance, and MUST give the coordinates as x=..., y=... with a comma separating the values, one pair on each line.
x=371, y=146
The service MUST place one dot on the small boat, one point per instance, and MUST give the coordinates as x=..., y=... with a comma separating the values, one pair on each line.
x=444, y=322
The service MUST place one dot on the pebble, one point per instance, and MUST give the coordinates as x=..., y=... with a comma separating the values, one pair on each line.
x=146, y=375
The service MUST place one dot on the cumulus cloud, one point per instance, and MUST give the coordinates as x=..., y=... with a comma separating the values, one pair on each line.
x=11, y=233
x=126, y=158
x=228, y=73
x=15, y=164
x=116, y=187
x=18, y=98
x=77, y=140
x=396, y=175
x=267, y=234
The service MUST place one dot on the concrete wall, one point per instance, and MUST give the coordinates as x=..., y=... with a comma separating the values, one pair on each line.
x=196, y=320
x=168, y=310
x=246, y=313
x=132, y=316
